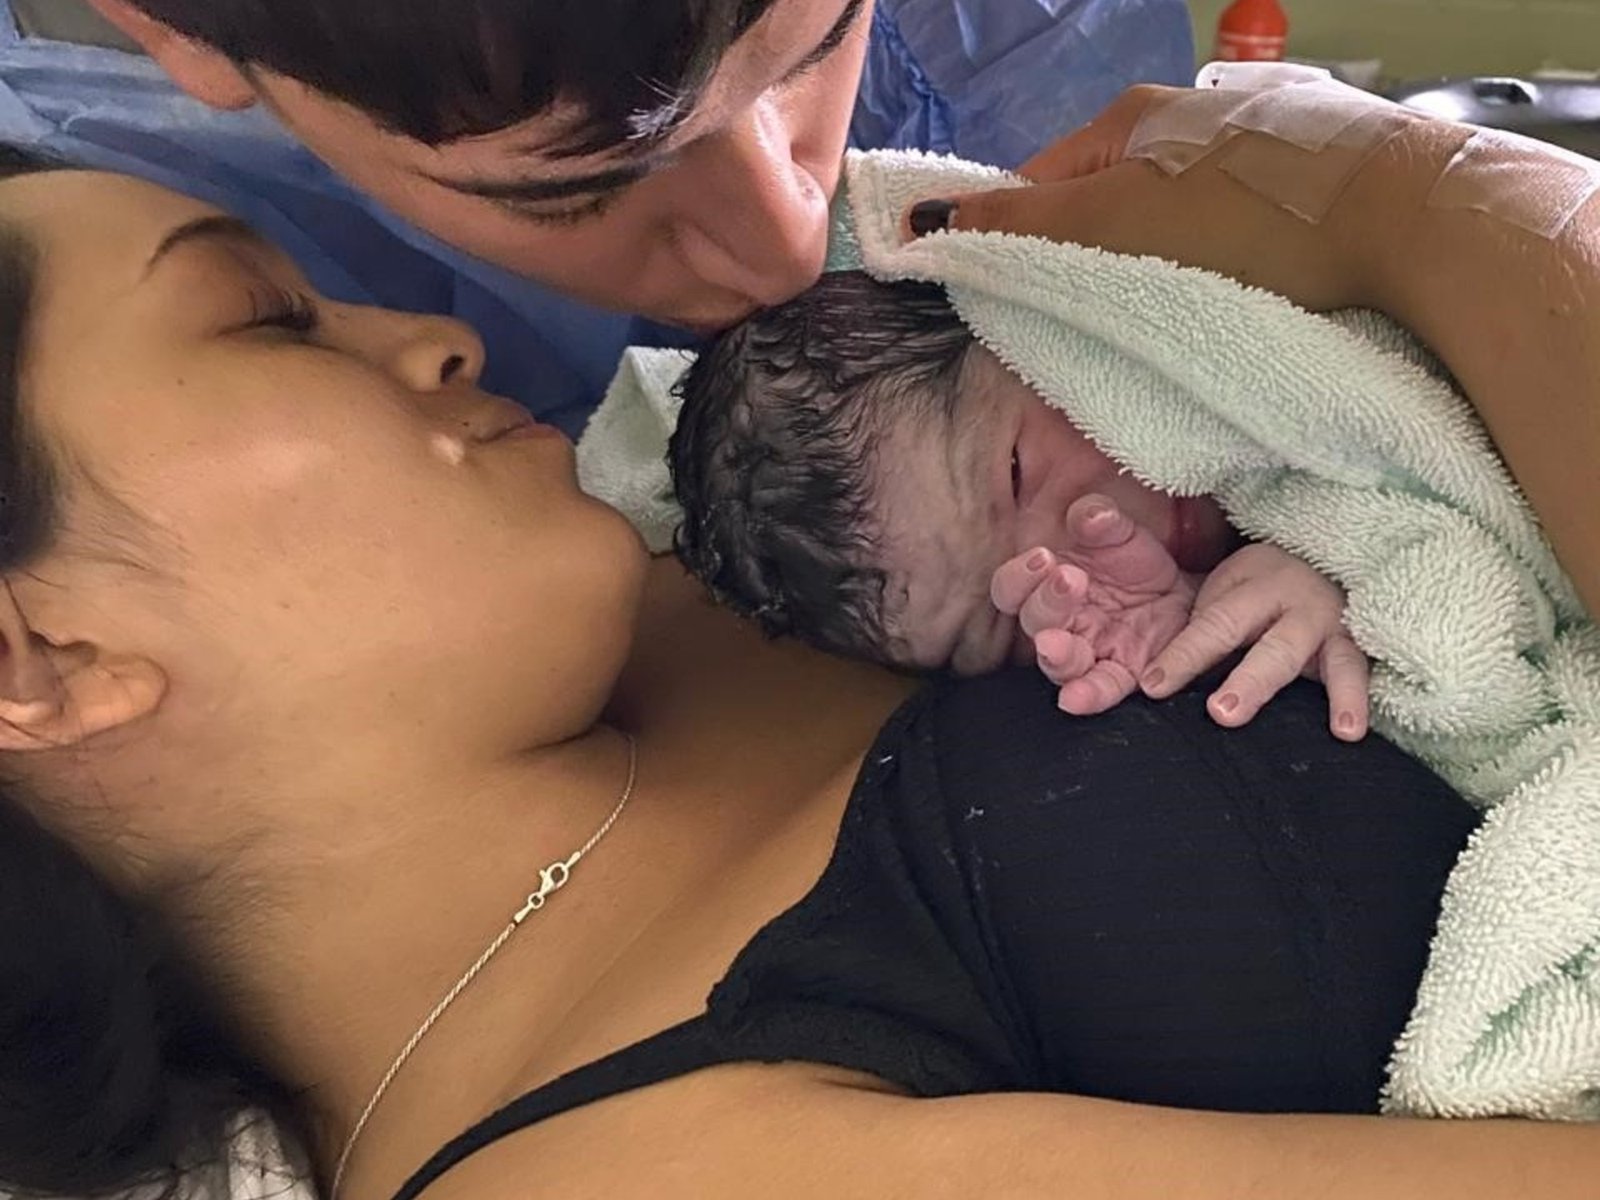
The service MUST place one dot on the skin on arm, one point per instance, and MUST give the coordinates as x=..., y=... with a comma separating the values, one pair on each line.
x=1513, y=316
x=796, y=1132
x=1516, y=318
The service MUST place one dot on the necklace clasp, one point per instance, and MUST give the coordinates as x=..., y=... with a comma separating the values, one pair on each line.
x=551, y=879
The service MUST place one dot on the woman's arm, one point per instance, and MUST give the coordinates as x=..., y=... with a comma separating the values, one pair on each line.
x=1515, y=317
x=1099, y=1150
x=796, y=1132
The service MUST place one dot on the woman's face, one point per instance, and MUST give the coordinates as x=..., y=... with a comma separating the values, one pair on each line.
x=729, y=214
x=305, y=512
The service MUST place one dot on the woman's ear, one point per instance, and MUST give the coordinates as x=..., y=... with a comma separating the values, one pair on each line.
x=207, y=74
x=55, y=696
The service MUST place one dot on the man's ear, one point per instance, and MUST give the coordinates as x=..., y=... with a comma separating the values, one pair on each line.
x=55, y=696
x=207, y=74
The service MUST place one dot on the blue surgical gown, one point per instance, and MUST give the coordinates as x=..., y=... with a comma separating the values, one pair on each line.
x=990, y=80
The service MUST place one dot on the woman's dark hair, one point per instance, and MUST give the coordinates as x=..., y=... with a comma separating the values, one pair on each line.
x=116, y=1071
x=436, y=70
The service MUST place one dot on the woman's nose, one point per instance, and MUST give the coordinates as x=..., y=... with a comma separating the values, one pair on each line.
x=748, y=218
x=435, y=352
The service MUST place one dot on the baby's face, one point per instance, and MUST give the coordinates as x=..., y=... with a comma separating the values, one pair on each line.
x=956, y=498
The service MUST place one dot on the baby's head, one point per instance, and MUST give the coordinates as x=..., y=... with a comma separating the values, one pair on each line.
x=853, y=466
x=779, y=452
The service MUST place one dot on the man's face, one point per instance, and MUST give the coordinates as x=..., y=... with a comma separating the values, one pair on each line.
x=727, y=214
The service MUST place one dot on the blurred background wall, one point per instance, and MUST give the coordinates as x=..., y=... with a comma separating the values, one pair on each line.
x=1419, y=38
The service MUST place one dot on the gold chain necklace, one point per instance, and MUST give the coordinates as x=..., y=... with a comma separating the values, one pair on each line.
x=551, y=879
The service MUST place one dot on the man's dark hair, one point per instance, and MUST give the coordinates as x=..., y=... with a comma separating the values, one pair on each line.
x=776, y=449
x=437, y=70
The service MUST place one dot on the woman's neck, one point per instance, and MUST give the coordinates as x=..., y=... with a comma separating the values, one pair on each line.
x=342, y=953
x=353, y=941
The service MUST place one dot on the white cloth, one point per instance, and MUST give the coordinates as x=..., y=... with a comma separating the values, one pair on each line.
x=622, y=456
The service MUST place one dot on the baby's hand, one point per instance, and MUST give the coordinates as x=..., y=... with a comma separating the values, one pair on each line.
x=1294, y=617
x=1097, y=612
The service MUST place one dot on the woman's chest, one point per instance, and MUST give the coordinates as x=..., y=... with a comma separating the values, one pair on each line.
x=748, y=753
x=713, y=904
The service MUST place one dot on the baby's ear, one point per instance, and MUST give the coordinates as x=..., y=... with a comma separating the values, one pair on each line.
x=53, y=696
x=207, y=74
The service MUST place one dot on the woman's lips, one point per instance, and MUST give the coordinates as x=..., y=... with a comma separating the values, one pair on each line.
x=512, y=422
x=526, y=430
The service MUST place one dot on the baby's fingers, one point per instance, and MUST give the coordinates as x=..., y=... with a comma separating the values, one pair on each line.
x=1056, y=601
x=1094, y=522
x=1213, y=633
x=1346, y=673
x=1062, y=656
x=1018, y=578
x=1103, y=686
x=1267, y=668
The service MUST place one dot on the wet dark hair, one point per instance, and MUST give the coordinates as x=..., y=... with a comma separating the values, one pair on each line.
x=776, y=448
x=437, y=70
x=116, y=1069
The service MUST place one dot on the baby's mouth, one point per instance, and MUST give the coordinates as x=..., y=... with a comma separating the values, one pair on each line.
x=1201, y=536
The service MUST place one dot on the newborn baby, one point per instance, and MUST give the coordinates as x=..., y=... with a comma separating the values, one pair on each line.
x=857, y=470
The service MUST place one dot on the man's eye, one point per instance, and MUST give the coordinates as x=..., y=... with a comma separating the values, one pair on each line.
x=1016, y=475
x=596, y=206
x=825, y=50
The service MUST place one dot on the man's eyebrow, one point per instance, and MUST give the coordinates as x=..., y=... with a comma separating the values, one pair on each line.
x=217, y=225
x=614, y=178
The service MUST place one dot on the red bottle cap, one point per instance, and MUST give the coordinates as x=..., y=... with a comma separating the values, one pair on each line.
x=1252, y=31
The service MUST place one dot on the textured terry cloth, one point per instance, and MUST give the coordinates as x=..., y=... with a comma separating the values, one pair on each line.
x=1339, y=439
x=622, y=454
x=1026, y=69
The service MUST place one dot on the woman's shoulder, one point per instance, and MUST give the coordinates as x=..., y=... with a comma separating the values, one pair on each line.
x=1005, y=730
x=965, y=746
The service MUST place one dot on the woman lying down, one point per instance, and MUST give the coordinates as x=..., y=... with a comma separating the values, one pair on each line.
x=323, y=682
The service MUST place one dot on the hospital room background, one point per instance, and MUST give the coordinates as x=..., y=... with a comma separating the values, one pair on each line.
x=1528, y=65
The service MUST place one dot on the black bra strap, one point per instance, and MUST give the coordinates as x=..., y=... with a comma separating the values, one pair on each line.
x=666, y=1055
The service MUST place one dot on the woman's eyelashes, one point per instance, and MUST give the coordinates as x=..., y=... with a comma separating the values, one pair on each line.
x=1016, y=474
x=280, y=308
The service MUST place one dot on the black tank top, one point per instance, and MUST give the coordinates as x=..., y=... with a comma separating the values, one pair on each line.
x=1140, y=906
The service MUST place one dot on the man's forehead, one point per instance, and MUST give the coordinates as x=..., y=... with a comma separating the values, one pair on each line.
x=538, y=148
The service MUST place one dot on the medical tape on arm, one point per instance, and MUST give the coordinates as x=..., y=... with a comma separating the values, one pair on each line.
x=1535, y=186
x=1315, y=134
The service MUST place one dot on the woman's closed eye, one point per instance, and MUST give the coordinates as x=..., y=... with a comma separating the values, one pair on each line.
x=280, y=308
x=1016, y=474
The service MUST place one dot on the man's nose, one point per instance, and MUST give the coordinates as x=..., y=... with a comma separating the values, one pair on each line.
x=748, y=218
